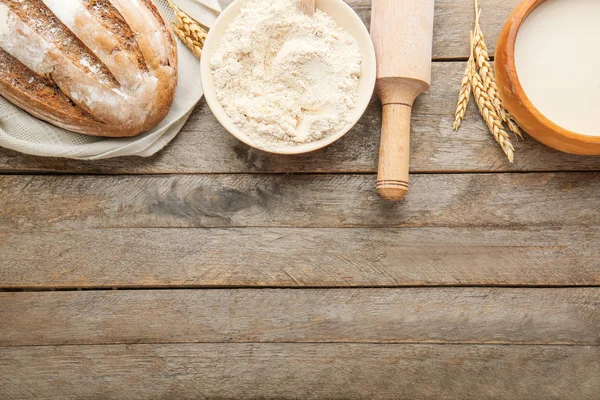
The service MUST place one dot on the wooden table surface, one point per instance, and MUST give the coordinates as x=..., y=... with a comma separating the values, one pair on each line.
x=212, y=270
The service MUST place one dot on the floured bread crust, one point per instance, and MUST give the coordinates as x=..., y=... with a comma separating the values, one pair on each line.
x=97, y=67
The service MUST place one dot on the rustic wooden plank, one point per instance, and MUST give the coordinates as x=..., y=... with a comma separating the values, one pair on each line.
x=453, y=18
x=76, y=202
x=204, y=146
x=285, y=257
x=300, y=371
x=409, y=315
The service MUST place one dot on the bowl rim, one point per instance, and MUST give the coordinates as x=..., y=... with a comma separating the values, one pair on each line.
x=368, y=71
x=526, y=114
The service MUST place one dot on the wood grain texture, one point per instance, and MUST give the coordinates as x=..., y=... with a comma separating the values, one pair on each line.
x=300, y=371
x=204, y=146
x=432, y=315
x=300, y=257
x=77, y=202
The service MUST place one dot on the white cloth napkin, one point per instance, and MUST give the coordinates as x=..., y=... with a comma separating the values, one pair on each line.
x=22, y=132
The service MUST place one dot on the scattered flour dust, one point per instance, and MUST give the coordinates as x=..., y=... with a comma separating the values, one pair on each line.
x=285, y=78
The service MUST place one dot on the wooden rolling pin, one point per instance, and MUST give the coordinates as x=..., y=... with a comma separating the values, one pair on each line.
x=402, y=31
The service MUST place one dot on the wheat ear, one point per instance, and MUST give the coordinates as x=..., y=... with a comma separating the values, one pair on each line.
x=191, y=33
x=513, y=126
x=482, y=60
x=488, y=78
x=488, y=111
x=463, y=98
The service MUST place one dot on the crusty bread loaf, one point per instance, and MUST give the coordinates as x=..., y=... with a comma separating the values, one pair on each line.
x=97, y=67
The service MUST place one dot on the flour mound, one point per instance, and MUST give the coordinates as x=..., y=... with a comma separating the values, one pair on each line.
x=284, y=78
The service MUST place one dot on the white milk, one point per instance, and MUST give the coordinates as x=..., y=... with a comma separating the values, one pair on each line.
x=557, y=57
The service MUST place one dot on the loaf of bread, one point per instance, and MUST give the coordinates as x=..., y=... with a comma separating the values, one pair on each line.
x=97, y=67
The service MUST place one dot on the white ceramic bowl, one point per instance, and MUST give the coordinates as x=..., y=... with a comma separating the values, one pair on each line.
x=345, y=17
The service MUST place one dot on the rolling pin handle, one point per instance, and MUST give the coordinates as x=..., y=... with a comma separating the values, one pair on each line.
x=394, y=153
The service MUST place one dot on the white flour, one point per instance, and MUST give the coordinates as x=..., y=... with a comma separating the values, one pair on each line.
x=285, y=78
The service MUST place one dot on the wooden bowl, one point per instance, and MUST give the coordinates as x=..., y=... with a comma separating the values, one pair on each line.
x=517, y=102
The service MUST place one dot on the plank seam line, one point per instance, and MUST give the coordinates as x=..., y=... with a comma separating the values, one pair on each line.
x=287, y=173
x=30, y=289
x=522, y=227
x=480, y=344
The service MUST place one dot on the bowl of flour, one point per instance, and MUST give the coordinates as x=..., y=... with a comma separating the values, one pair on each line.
x=284, y=82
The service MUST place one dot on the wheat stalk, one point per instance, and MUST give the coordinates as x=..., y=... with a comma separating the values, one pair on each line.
x=188, y=30
x=487, y=109
x=479, y=79
x=486, y=72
